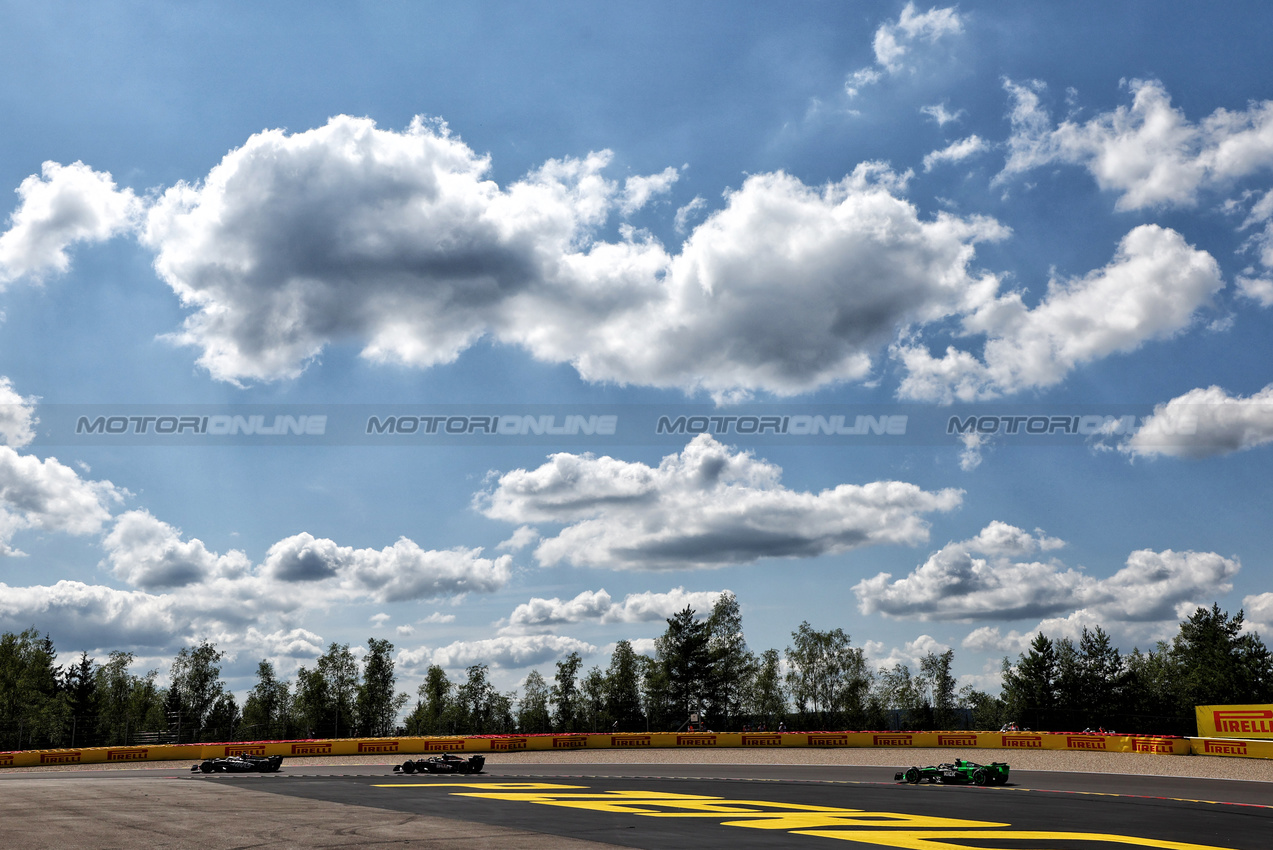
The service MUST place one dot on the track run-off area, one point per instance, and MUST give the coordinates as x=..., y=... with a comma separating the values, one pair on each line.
x=578, y=804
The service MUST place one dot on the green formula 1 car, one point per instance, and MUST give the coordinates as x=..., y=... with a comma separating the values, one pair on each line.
x=958, y=772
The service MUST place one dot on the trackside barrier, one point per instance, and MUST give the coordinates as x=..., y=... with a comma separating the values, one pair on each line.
x=1161, y=745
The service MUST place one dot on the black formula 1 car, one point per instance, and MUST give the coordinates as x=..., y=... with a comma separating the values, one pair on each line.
x=445, y=763
x=240, y=764
x=958, y=772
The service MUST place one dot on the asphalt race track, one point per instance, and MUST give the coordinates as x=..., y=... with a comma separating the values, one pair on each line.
x=582, y=806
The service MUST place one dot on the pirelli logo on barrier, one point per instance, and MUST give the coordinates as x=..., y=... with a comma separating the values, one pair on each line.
x=244, y=750
x=131, y=754
x=1023, y=742
x=1250, y=722
x=444, y=746
x=377, y=746
x=60, y=758
x=1234, y=721
x=6, y=760
x=1161, y=746
x=766, y=740
x=892, y=740
x=696, y=740
x=956, y=740
x=828, y=740
x=508, y=744
x=1224, y=748
x=311, y=749
x=1084, y=742
x=570, y=742
x=629, y=740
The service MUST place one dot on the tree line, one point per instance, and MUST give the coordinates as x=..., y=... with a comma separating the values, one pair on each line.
x=701, y=667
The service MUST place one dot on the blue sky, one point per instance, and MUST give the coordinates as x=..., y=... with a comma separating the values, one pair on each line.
x=837, y=208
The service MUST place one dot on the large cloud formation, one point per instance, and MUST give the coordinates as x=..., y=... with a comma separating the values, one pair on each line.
x=955, y=584
x=709, y=506
x=399, y=242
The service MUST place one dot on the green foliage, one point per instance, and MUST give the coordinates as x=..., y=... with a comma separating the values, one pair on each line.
x=196, y=678
x=433, y=710
x=565, y=695
x=828, y=679
x=377, y=704
x=768, y=701
x=1215, y=662
x=684, y=652
x=623, y=689
x=532, y=710
x=268, y=708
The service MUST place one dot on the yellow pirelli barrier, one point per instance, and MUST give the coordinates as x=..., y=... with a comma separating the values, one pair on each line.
x=1231, y=747
x=390, y=748
x=1234, y=721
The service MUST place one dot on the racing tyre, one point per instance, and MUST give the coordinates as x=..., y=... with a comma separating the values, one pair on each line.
x=980, y=777
x=206, y=767
x=911, y=775
x=408, y=767
x=463, y=768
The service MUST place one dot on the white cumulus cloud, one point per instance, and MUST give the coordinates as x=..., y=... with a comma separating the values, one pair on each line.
x=48, y=495
x=400, y=243
x=1205, y=422
x=1152, y=289
x=150, y=554
x=509, y=651
x=955, y=584
x=1149, y=153
x=17, y=416
x=709, y=506
x=597, y=606
x=61, y=206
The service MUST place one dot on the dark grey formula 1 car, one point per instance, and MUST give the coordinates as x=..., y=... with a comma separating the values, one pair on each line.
x=240, y=764
x=445, y=763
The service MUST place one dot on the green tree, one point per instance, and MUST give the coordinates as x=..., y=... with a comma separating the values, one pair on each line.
x=339, y=672
x=732, y=665
x=828, y=678
x=768, y=696
x=623, y=689
x=1216, y=662
x=267, y=709
x=901, y=694
x=940, y=681
x=125, y=701
x=196, y=677
x=433, y=712
x=565, y=694
x=80, y=687
x=685, y=655
x=223, y=719
x=532, y=710
x=34, y=711
x=377, y=704
x=479, y=708
x=656, y=703
x=1029, y=687
x=592, y=701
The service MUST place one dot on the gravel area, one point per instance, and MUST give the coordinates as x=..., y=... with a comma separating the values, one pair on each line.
x=1202, y=767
